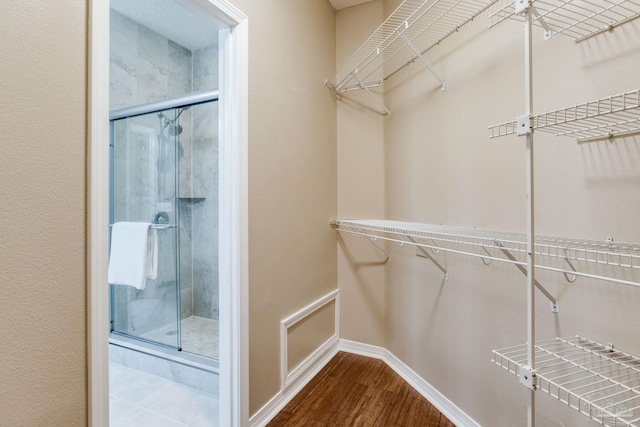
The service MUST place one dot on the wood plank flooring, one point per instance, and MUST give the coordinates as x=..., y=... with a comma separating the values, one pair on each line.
x=354, y=390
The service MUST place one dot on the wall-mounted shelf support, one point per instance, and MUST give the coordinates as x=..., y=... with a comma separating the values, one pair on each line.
x=554, y=303
x=424, y=254
x=419, y=56
x=372, y=241
x=366, y=88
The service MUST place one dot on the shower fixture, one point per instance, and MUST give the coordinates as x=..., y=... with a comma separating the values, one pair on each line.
x=173, y=128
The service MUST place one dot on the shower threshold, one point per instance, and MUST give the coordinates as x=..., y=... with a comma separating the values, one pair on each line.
x=169, y=354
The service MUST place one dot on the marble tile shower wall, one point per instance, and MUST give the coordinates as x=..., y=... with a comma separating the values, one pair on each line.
x=198, y=201
x=146, y=66
x=205, y=184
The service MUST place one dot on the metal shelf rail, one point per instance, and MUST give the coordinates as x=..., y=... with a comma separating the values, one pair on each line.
x=578, y=19
x=408, y=33
x=596, y=380
x=607, y=117
x=488, y=245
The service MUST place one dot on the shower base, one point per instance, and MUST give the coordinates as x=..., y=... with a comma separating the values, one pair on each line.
x=199, y=336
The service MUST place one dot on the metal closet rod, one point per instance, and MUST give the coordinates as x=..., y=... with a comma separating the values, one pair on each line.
x=193, y=98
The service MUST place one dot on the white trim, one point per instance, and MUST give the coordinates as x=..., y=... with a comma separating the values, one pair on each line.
x=234, y=403
x=233, y=194
x=265, y=414
x=286, y=377
x=456, y=415
x=97, y=215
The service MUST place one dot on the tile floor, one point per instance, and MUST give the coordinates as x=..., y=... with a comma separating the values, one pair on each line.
x=138, y=399
x=199, y=336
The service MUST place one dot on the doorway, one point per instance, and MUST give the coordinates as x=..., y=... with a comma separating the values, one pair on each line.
x=232, y=236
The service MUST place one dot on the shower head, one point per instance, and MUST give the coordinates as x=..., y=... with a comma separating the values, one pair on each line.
x=173, y=129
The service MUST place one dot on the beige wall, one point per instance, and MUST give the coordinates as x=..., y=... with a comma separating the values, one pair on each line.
x=361, y=187
x=292, y=173
x=440, y=167
x=42, y=213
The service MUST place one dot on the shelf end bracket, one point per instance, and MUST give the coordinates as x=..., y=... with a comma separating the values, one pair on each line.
x=528, y=377
x=524, y=6
x=524, y=125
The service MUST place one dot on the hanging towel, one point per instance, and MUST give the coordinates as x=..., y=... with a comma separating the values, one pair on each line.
x=131, y=249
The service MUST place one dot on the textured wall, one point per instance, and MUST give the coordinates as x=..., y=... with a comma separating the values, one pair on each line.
x=292, y=172
x=42, y=214
x=440, y=167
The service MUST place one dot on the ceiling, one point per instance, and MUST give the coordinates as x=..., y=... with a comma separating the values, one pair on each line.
x=342, y=4
x=174, y=19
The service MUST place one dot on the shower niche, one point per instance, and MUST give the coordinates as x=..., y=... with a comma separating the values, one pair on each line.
x=164, y=171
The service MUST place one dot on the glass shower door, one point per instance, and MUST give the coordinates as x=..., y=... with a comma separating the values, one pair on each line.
x=144, y=182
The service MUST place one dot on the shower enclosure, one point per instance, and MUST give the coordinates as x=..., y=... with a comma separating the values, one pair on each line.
x=164, y=171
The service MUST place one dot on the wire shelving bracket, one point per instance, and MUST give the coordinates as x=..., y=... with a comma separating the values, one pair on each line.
x=578, y=19
x=608, y=117
x=405, y=36
x=592, y=378
x=423, y=253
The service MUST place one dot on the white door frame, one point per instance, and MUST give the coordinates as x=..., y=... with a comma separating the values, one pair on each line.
x=234, y=336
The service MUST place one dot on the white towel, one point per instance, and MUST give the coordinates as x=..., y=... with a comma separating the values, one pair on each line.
x=131, y=249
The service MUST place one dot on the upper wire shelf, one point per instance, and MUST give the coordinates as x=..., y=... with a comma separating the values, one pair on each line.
x=410, y=31
x=607, y=117
x=596, y=380
x=578, y=19
x=480, y=243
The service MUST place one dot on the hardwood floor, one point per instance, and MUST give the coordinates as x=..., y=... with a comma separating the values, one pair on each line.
x=359, y=391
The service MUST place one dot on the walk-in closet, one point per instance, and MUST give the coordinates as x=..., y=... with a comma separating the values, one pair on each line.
x=505, y=161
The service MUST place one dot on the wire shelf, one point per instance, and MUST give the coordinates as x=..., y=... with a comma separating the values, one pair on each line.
x=579, y=19
x=486, y=244
x=596, y=380
x=607, y=117
x=424, y=24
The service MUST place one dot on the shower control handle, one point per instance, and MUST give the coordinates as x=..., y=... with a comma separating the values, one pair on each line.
x=160, y=217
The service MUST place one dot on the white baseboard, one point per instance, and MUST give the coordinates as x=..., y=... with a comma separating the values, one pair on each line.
x=437, y=399
x=312, y=366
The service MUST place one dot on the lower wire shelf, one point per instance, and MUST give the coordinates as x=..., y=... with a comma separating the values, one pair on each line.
x=596, y=380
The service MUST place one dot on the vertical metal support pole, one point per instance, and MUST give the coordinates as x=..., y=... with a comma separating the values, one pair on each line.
x=528, y=60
